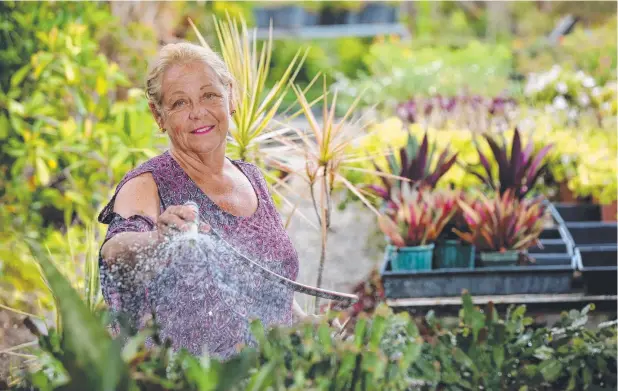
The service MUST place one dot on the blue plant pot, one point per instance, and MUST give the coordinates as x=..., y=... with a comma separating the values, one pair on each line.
x=454, y=254
x=493, y=259
x=291, y=16
x=411, y=258
x=311, y=18
x=262, y=17
x=352, y=17
x=378, y=13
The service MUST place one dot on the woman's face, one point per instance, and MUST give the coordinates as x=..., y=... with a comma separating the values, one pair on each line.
x=195, y=107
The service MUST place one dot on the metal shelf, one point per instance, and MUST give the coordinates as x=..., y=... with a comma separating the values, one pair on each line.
x=334, y=31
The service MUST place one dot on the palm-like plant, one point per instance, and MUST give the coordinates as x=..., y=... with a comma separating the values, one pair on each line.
x=256, y=104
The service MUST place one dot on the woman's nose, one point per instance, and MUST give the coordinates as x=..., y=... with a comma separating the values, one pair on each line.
x=198, y=111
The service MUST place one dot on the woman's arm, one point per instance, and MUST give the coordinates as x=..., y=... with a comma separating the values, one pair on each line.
x=139, y=196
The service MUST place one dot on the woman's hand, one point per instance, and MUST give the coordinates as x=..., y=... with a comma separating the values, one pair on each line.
x=178, y=218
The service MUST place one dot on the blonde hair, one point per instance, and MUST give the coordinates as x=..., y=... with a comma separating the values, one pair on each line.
x=182, y=53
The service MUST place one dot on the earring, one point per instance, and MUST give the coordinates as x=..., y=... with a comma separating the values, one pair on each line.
x=233, y=111
x=162, y=130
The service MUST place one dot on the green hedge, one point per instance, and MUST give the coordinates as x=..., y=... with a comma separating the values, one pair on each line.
x=386, y=351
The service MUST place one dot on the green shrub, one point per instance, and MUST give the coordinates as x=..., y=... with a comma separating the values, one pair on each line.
x=385, y=352
x=66, y=139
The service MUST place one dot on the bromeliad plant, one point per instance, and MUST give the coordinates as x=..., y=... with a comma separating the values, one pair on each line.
x=418, y=216
x=518, y=172
x=415, y=165
x=503, y=222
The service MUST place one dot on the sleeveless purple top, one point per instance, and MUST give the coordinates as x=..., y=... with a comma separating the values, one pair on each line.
x=216, y=324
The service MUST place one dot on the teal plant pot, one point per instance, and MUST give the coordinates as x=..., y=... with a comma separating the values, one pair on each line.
x=411, y=258
x=454, y=254
x=507, y=258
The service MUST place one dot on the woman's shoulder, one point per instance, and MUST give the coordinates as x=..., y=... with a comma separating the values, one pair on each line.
x=152, y=166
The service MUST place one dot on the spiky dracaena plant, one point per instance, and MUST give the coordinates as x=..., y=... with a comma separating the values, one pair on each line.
x=502, y=222
x=256, y=103
x=323, y=152
x=253, y=127
x=518, y=172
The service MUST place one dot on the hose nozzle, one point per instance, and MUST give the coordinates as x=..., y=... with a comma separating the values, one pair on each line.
x=196, y=208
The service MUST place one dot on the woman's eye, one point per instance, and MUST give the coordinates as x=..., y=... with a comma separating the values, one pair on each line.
x=178, y=103
x=209, y=95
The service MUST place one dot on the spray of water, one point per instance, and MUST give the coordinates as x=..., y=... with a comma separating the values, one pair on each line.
x=203, y=292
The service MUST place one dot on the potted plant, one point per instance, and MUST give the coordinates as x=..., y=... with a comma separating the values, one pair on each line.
x=450, y=251
x=412, y=223
x=502, y=227
x=518, y=172
x=414, y=166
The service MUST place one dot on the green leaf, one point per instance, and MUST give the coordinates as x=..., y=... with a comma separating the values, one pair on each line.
x=69, y=70
x=76, y=197
x=261, y=380
x=498, y=356
x=121, y=156
x=550, y=369
x=378, y=326
x=40, y=61
x=16, y=107
x=91, y=358
x=204, y=380
x=544, y=353
x=463, y=359
x=20, y=75
x=586, y=375
x=42, y=172
x=4, y=126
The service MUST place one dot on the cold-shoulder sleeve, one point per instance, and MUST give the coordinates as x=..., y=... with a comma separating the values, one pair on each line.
x=116, y=223
x=122, y=296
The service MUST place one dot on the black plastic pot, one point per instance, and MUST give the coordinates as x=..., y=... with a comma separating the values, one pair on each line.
x=593, y=232
x=334, y=16
x=377, y=12
x=579, y=212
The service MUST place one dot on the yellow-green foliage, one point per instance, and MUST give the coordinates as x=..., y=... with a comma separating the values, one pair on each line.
x=65, y=141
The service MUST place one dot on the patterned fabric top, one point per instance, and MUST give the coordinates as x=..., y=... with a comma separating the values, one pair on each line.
x=210, y=318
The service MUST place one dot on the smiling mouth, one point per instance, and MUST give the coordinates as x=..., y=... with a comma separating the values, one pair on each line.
x=203, y=130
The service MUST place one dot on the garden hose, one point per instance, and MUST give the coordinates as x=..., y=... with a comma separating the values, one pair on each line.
x=342, y=300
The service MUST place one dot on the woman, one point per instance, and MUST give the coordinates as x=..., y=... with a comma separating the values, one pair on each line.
x=190, y=93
